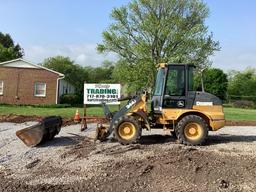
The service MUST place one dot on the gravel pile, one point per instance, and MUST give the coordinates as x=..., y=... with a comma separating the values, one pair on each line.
x=73, y=161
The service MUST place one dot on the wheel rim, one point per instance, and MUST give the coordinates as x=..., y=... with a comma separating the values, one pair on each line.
x=126, y=130
x=193, y=131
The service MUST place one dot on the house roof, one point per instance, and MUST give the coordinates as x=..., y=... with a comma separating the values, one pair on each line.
x=22, y=63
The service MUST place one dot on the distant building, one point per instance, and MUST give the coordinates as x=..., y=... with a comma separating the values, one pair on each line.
x=22, y=82
x=65, y=87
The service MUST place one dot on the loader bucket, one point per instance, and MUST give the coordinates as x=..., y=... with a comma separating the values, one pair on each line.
x=43, y=131
x=31, y=136
x=102, y=132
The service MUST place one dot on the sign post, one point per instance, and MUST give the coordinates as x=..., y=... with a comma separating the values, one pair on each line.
x=95, y=94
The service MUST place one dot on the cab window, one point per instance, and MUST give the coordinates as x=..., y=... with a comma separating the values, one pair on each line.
x=175, y=83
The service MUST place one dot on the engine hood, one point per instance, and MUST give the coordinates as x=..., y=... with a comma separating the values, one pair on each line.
x=204, y=98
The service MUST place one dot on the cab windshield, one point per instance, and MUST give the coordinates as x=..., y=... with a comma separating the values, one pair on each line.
x=159, y=82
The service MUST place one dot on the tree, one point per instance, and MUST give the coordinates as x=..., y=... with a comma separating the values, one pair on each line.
x=74, y=74
x=242, y=85
x=215, y=82
x=8, y=49
x=147, y=32
x=102, y=74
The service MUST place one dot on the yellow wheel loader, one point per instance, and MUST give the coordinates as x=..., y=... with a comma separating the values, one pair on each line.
x=188, y=114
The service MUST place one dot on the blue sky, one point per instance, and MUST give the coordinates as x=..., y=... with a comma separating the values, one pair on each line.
x=73, y=28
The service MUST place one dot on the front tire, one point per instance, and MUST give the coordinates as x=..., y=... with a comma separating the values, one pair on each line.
x=127, y=130
x=192, y=130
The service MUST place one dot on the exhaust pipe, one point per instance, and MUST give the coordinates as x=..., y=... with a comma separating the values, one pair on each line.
x=43, y=131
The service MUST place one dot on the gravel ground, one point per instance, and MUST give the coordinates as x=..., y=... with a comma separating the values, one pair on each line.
x=74, y=162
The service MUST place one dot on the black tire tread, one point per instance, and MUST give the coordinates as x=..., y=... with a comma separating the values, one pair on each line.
x=129, y=119
x=181, y=125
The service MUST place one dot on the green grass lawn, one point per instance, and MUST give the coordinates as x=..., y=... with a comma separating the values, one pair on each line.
x=230, y=113
x=240, y=114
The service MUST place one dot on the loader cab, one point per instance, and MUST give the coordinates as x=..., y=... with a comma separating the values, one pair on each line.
x=174, y=87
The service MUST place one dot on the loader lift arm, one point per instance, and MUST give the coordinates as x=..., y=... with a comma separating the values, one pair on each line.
x=128, y=109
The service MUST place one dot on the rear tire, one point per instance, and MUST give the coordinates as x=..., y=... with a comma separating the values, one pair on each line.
x=192, y=130
x=127, y=130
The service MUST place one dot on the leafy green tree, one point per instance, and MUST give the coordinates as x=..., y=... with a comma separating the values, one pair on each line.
x=147, y=32
x=8, y=49
x=102, y=74
x=74, y=74
x=242, y=85
x=215, y=82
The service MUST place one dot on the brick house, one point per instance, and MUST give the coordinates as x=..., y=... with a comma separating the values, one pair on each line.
x=22, y=82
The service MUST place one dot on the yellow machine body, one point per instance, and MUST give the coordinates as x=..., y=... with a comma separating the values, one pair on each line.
x=213, y=115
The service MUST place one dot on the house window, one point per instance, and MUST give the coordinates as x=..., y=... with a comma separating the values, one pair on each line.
x=1, y=87
x=40, y=89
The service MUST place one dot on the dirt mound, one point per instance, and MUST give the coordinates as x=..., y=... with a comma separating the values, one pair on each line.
x=80, y=150
x=18, y=118
x=74, y=162
x=240, y=123
x=22, y=119
x=68, y=121
x=10, y=185
x=177, y=169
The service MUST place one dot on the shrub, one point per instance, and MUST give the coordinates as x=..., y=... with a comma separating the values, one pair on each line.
x=228, y=105
x=215, y=82
x=243, y=104
x=71, y=99
x=52, y=105
x=242, y=85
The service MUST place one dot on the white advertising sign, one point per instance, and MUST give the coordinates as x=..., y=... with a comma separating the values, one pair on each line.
x=99, y=93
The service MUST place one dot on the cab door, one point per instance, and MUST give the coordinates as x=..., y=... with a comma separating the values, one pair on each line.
x=175, y=92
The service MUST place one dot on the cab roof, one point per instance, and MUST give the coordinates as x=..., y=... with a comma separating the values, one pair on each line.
x=163, y=65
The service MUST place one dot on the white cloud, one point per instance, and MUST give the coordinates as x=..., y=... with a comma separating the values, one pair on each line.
x=229, y=58
x=83, y=54
x=81, y=58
